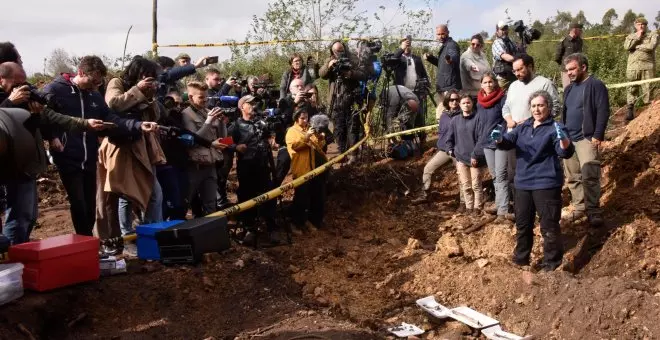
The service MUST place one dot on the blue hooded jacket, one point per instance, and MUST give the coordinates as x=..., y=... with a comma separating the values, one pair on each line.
x=81, y=148
x=537, y=154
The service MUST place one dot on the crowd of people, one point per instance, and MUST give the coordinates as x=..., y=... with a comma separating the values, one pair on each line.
x=158, y=141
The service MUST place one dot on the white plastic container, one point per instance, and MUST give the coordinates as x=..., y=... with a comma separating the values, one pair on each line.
x=11, y=282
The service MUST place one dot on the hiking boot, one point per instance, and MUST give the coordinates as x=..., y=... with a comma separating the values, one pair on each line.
x=595, y=220
x=422, y=197
x=631, y=112
x=111, y=250
x=250, y=238
x=504, y=219
x=274, y=238
x=296, y=230
x=491, y=209
x=568, y=215
x=461, y=209
x=310, y=227
x=130, y=249
x=468, y=212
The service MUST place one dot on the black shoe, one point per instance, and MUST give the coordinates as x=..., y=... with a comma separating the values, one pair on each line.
x=549, y=267
x=595, y=220
x=274, y=238
x=631, y=112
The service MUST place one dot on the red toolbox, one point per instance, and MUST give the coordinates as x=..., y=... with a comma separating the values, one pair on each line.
x=57, y=261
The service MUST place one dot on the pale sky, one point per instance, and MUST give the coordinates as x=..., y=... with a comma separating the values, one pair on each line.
x=96, y=27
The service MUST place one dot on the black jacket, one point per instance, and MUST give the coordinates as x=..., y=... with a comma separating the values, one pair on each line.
x=566, y=47
x=247, y=132
x=307, y=75
x=402, y=69
x=448, y=76
x=595, y=107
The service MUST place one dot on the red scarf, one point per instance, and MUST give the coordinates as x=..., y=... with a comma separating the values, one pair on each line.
x=296, y=74
x=488, y=101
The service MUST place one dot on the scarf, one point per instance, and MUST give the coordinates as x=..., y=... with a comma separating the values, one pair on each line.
x=488, y=101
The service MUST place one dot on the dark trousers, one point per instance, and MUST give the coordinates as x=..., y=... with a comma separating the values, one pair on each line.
x=223, y=168
x=282, y=165
x=347, y=127
x=309, y=202
x=254, y=179
x=80, y=186
x=547, y=203
x=174, y=183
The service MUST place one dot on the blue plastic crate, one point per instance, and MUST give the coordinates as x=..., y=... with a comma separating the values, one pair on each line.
x=147, y=246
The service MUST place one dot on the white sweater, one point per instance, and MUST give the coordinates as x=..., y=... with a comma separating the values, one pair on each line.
x=517, y=98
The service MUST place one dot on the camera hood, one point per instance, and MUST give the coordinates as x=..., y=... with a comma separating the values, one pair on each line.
x=19, y=141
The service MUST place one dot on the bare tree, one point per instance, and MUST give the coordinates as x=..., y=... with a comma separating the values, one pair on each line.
x=59, y=62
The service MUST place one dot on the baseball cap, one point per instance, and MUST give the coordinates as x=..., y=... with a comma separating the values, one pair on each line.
x=245, y=99
x=502, y=24
x=182, y=56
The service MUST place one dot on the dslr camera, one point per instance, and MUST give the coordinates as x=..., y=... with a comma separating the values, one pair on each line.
x=35, y=95
x=389, y=61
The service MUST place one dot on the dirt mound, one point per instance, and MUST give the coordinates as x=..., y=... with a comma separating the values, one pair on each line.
x=377, y=254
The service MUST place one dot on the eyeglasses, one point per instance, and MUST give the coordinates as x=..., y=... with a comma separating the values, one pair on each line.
x=476, y=45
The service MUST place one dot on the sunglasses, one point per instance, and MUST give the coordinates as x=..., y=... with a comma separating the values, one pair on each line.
x=454, y=99
x=476, y=45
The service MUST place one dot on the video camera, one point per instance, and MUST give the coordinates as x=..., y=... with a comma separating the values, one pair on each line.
x=526, y=34
x=390, y=61
x=343, y=64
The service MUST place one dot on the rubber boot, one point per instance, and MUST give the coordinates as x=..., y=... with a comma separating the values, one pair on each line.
x=631, y=112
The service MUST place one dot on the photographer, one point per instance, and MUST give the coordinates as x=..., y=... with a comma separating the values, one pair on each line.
x=210, y=125
x=171, y=74
x=214, y=82
x=402, y=109
x=305, y=147
x=411, y=67
x=504, y=51
x=234, y=86
x=448, y=74
x=254, y=167
x=22, y=201
x=173, y=176
x=344, y=76
x=572, y=43
x=307, y=73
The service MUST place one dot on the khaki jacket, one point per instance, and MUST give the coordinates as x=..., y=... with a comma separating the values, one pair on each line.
x=641, y=51
x=194, y=121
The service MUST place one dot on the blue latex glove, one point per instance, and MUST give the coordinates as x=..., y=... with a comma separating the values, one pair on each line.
x=560, y=133
x=496, y=134
x=187, y=139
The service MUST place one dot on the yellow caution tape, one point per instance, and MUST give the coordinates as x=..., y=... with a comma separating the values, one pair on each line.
x=235, y=209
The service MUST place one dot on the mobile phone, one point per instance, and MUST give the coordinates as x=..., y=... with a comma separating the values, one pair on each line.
x=226, y=140
x=212, y=60
x=110, y=124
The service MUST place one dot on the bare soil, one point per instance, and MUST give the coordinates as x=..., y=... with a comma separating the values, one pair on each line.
x=376, y=255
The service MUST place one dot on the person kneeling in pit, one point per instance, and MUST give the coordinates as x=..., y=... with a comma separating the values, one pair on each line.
x=305, y=145
x=539, y=142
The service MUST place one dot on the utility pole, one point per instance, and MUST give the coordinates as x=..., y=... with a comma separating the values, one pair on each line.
x=154, y=28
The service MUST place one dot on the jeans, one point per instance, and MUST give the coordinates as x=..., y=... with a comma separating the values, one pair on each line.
x=470, y=182
x=547, y=202
x=583, y=176
x=439, y=159
x=153, y=213
x=497, y=161
x=174, y=184
x=21, y=213
x=80, y=186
